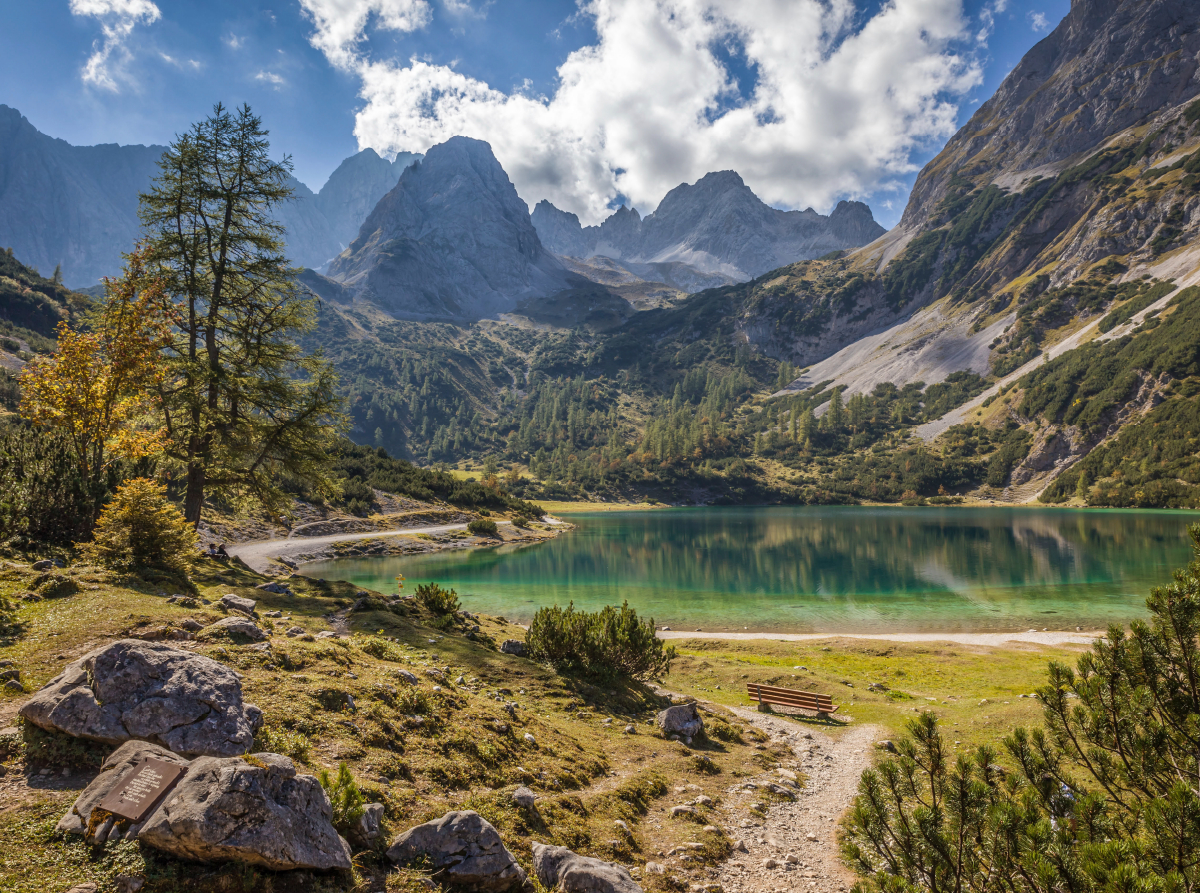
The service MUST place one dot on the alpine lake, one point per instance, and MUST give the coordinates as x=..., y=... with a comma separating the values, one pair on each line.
x=820, y=569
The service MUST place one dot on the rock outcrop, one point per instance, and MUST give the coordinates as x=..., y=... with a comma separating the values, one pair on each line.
x=1108, y=66
x=240, y=629
x=255, y=810
x=112, y=772
x=557, y=868
x=259, y=812
x=355, y=188
x=682, y=719
x=451, y=240
x=462, y=848
x=148, y=691
x=717, y=225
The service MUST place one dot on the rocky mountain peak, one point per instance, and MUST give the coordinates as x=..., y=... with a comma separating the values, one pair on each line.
x=1107, y=66
x=451, y=239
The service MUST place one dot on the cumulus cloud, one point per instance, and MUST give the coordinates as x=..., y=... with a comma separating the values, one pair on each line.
x=270, y=77
x=105, y=68
x=836, y=104
x=341, y=24
x=1039, y=22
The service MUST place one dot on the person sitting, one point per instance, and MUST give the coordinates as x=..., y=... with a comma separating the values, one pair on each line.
x=221, y=553
x=212, y=550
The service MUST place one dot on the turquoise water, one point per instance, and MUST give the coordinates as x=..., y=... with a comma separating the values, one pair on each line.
x=836, y=569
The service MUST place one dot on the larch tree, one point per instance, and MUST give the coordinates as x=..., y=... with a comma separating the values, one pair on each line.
x=94, y=388
x=243, y=406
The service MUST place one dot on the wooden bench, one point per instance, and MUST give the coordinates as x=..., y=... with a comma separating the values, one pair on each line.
x=785, y=697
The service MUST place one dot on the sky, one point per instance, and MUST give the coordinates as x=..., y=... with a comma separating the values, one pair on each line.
x=587, y=104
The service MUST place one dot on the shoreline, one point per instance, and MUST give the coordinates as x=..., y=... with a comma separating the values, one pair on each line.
x=986, y=639
x=289, y=554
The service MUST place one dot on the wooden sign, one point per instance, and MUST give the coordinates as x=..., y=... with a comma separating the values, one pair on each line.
x=141, y=789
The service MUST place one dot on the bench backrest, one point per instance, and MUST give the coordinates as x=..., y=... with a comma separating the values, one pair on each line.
x=786, y=697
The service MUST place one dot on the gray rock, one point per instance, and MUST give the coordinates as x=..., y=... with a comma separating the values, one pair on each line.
x=716, y=226
x=514, y=646
x=557, y=868
x=366, y=830
x=266, y=815
x=295, y=631
x=683, y=720
x=406, y=676
x=44, y=565
x=237, y=603
x=149, y=691
x=236, y=628
x=113, y=770
x=524, y=797
x=14, y=686
x=469, y=248
x=89, y=887
x=273, y=614
x=462, y=848
x=277, y=588
x=191, y=625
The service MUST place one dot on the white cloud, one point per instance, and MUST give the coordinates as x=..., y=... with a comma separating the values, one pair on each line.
x=106, y=66
x=987, y=19
x=1039, y=22
x=838, y=106
x=234, y=42
x=193, y=64
x=341, y=24
x=270, y=77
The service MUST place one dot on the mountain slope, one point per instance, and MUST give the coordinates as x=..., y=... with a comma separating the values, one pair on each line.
x=451, y=240
x=76, y=206
x=717, y=225
x=355, y=188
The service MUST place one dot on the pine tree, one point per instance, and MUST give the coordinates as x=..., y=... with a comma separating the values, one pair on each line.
x=1105, y=798
x=242, y=405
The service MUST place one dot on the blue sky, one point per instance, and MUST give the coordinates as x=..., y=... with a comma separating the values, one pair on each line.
x=167, y=62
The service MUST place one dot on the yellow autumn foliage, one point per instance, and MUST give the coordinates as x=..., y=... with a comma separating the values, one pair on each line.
x=140, y=527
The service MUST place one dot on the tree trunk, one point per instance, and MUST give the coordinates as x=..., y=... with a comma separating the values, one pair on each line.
x=193, y=500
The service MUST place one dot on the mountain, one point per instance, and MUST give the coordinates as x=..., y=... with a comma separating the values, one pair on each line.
x=76, y=206
x=451, y=240
x=355, y=188
x=717, y=225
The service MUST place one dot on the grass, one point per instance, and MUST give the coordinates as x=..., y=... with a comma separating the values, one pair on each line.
x=975, y=691
x=449, y=742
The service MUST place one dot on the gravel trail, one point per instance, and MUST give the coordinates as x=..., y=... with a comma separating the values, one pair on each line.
x=806, y=829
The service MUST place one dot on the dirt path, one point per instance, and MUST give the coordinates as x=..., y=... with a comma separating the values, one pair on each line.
x=807, y=828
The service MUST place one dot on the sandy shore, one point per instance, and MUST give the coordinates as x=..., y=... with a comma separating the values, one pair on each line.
x=994, y=640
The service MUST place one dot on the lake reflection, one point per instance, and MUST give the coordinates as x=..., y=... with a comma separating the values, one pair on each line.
x=846, y=569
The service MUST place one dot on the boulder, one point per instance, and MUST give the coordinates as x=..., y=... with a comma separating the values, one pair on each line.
x=295, y=631
x=112, y=772
x=524, y=797
x=514, y=646
x=462, y=848
x=237, y=603
x=557, y=868
x=277, y=588
x=149, y=691
x=259, y=812
x=683, y=719
x=366, y=829
x=405, y=676
x=240, y=629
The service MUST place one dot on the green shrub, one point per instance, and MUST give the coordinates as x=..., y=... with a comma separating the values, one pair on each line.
x=344, y=796
x=611, y=642
x=43, y=497
x=436, y=599
x=142, y=528
x=483, y=527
